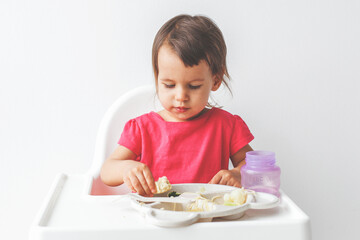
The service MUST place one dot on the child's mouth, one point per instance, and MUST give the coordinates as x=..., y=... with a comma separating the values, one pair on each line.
x=181, y=109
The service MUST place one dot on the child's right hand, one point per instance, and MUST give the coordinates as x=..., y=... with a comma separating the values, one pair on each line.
x=139, y=178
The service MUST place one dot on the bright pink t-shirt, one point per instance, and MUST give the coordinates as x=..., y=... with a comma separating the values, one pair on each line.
x=186, y=152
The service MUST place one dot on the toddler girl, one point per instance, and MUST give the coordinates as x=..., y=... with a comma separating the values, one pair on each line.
x=189, y=141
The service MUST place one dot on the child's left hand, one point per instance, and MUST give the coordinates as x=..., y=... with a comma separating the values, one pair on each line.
x=227, y=177
x=232, y=177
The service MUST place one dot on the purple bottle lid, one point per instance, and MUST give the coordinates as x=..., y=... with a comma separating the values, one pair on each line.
x=260, y=157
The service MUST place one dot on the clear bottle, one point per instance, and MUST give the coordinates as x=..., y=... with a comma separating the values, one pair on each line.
x=260, y=172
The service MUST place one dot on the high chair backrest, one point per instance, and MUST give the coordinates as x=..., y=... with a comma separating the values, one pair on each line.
x=132, y=104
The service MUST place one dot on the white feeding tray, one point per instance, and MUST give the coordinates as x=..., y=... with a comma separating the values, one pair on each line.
x=77, y=208
x=167, y=214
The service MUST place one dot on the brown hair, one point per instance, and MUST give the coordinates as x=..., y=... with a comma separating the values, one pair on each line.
x=193, y=38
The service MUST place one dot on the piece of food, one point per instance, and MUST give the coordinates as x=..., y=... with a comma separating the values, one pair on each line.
x=162, y=185
x=236, y=197
x=173, y=194
x=200, y=205
x=202, y=190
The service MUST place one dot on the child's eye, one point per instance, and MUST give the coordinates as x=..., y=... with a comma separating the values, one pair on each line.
x=194, y=87
x=169, y=85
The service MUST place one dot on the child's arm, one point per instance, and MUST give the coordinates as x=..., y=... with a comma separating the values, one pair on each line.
x=232, y=177
x=121, y=167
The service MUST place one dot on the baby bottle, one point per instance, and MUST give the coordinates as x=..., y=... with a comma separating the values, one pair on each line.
x=260, y=172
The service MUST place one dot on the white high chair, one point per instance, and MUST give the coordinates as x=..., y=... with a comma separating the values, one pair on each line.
x=82, y=207
x=125, y=108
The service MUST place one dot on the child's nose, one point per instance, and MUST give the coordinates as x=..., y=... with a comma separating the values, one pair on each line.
x=181, y=95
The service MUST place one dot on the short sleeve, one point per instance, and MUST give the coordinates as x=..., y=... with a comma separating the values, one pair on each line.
x=241, y=135
x=131, y=137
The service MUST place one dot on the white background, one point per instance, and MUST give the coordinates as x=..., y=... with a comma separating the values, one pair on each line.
x=295, y=80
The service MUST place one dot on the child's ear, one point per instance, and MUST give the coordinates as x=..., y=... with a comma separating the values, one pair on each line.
x=216, y=83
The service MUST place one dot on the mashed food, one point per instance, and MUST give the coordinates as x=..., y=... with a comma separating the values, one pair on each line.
x=162, y=185
x=200, y=205
x=236, y=197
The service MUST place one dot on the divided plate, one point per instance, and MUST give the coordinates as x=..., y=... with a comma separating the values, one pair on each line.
x=165, y=214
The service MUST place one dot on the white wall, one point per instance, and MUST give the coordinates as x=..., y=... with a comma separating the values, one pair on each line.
x=295, y=70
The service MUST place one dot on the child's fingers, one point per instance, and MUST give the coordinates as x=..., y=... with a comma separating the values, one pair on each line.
x=144, y=183
x=128, y=183
x=216, y=179
x=236, y=184
x=137, y=185
x=223, y=180
x=225, y=177
x=150, y=180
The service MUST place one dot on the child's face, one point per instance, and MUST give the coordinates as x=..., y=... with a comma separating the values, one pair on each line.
x=183, y=91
